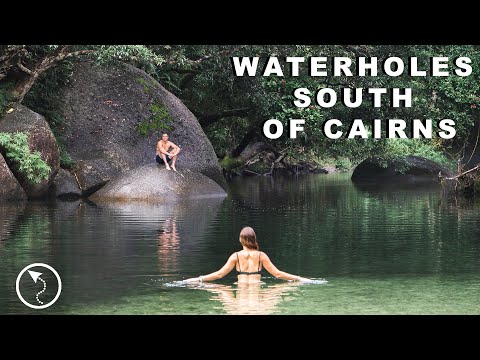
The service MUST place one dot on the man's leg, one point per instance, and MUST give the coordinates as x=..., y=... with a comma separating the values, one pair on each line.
x=174, y=160
x=164, y=157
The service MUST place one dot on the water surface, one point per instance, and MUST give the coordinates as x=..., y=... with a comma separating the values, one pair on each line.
x=382, y=250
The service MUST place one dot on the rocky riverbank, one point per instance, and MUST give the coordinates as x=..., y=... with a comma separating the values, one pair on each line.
x=113, y=118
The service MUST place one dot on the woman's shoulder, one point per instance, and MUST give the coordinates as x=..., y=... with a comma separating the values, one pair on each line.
x=263, y=255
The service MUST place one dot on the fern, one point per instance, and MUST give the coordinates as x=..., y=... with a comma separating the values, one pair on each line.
x=29, y=164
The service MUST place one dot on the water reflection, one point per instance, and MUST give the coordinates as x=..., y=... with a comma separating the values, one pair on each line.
x=112, y=257
x=252, y=299
x=396, y=185
x=168, y=246
x=176, y=228
x=103, y=251
x=10, y=213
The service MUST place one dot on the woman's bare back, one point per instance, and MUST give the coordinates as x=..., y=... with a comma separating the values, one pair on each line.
x=249, y=260
x=249, y=265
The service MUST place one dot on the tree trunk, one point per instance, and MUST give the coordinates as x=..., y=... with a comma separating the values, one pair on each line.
x=247, y=149
x=22, y=88
x=246, y=140
x=230, y=163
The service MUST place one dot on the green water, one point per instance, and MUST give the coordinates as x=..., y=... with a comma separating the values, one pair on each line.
x=382, y=250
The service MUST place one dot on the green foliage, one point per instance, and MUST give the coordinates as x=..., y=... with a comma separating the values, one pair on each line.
x=30, y=164
x=138, y=55
x=202, y=76
x=66, y=160
x=45, y=96
x=5, y=97
x=144, y=82
x=214, y=88
x=399, y=148
x=228, y=163
x=159, y=120
x=343, y=164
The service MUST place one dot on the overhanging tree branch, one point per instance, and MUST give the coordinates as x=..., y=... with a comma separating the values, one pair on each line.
x=23, y=67
x=464, y=173
x=60, y=54
x=208, y=119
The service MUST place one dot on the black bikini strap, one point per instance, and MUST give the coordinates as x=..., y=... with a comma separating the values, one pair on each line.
x=238, y=261
x=259, y=261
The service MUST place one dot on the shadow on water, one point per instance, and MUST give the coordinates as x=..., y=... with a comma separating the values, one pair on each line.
x=372, y=187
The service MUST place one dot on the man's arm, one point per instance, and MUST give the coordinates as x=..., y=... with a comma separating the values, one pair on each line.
x=176, y=149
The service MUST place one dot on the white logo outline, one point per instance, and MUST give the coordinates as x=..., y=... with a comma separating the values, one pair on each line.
x=44, y=306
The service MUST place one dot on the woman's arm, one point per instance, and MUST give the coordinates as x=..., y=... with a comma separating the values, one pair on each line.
x=272, y=269
x=230, y=264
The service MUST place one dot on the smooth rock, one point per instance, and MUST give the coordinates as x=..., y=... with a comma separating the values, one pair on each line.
x=153, y=183
x=415, y=169
x=65, y=186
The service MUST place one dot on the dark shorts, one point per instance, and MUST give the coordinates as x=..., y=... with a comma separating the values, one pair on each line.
x=160, y=160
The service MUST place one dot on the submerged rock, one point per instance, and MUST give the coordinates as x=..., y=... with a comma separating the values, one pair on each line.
x=40, y=138
x=10, y=189
x=153, y=183
x=114, y=118
x=413, y=169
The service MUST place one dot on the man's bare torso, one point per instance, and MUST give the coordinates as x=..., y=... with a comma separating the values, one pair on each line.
x=164, y=145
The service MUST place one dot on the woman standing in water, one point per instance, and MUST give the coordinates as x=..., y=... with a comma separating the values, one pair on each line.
x=248, y=263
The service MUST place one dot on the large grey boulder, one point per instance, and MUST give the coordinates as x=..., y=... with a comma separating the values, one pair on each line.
x=153, y=183
x=65, y=186
x=40, y=138
x=10, y=189
x=106, y=111
x=413, y=169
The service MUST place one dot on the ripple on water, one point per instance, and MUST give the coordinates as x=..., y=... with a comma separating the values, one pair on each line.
x=383, y=251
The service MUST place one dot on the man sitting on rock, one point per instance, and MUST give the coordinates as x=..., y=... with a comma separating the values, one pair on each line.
x=163, y=156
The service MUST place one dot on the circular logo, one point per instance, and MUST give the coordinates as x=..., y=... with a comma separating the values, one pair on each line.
x=37, y=277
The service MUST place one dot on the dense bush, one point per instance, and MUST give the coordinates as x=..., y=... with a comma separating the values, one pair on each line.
x=30, y=164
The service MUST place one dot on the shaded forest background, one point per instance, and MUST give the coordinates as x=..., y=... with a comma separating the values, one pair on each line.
x=232, y=109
